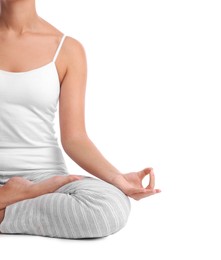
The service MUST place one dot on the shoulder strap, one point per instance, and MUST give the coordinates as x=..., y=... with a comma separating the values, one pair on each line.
x=59, y=47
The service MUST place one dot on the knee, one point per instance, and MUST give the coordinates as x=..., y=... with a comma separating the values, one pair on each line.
x=118, y=205
x=110, y=206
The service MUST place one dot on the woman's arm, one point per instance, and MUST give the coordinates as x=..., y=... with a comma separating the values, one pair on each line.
x=18, y=188
x=74, y=138
x=84, y=152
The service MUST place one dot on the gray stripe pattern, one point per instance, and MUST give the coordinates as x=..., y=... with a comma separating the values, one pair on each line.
x=86, y=208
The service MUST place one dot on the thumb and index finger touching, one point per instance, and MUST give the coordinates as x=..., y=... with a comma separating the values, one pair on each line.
x=144, y=173
x=151, y=185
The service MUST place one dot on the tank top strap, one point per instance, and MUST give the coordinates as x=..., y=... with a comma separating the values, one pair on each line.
x=59, y=47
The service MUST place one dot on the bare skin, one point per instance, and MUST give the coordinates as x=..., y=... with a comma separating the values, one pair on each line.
x=24, y=34
x=18, y=189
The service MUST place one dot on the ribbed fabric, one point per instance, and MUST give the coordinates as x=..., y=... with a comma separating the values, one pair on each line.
x=86, y=208
x=28, y=103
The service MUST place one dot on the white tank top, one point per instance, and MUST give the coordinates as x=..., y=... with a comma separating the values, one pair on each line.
x=28, y=142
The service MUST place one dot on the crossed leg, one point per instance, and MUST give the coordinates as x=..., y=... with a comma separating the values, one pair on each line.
x=85, y=208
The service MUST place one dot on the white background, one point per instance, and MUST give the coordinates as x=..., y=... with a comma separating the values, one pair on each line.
x=152, y=101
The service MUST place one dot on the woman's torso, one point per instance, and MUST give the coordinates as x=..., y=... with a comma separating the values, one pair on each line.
x=29, y=96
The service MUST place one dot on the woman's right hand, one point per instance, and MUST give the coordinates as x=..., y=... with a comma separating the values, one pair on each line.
x=18, y=188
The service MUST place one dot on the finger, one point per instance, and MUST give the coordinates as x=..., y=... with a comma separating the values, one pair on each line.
x=51, y=184
x=75, y=177
x=143, y=195
x=152, y=181
x=144, y=192
x=132, y=191
x=140, y=196
x=58, y=181
x=145, y=172
x=79, y=176
x=152, y=191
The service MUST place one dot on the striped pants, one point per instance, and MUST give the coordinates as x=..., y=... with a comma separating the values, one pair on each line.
x=86, y=208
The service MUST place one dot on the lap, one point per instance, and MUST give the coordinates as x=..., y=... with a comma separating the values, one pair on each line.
x=90, y=184
x=84, y=208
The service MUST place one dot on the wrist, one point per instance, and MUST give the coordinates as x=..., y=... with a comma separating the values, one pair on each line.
x=115, y=177
x=118, y=181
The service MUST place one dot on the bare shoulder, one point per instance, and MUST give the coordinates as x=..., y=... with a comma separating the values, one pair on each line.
x=73, y=55
x=74, y=50
x=73, y=45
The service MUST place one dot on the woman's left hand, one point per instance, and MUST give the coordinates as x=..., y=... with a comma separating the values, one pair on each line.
x=131, y=184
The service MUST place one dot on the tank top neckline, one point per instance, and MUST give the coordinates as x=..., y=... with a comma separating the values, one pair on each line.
x=28, y=71
x=41, y=67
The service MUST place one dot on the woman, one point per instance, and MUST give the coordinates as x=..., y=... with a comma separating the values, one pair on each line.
x=39, y=65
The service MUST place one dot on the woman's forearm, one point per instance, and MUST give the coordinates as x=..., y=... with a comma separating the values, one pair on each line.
x=18, y=188
x=84, y=152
